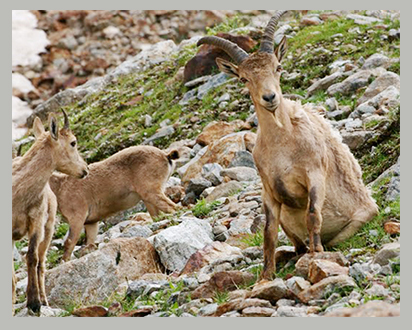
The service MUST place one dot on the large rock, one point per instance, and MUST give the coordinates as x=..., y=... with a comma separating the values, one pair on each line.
x=376, y=61
x=302, y=266
x=324, y=83
x=387, y=252
x=222, y=281
x=320, y=269
x=208, y=254
x=214, y=131
x=221, y=151
x=224, y=190
x=240, y=173
x=373, y=308
x=363, y=20
x=290, y=311
x=327, y=286
x=258, y=312
x=351, y=84
x=272, y=291
x=176, y=244
x=97, y=275
x=297, y=284
x=388, y=97
x=356, y=139
x=380, y=84
x=211, y=172
x=240, y=304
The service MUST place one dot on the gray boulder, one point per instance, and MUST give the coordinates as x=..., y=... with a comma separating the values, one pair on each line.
x=96, y=275
x=375, y=61
x=351, y=84
x=380, y=84
x=176, y=244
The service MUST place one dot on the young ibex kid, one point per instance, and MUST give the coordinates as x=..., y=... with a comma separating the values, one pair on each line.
x=114, y=184
x=34, y=204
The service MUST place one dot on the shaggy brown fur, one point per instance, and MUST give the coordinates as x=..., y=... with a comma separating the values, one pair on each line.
x=114, y=184
x=312, y=184
x=34, y=204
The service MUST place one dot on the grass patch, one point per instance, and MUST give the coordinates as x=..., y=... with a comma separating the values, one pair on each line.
x=61, y=230
x=202, y=208
x=234, y=22
x=221, y=297
x=255, y=239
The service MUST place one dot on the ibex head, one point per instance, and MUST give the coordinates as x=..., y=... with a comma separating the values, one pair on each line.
x=259, y=71
x=63, y=146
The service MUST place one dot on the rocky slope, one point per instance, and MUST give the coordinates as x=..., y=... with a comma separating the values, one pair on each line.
x=205, y=259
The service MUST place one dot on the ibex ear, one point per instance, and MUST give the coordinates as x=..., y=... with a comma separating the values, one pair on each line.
x=38, y=128
x=281, y=49
x=54, y=127
x=227, y=67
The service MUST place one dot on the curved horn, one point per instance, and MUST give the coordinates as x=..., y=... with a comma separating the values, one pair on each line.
x=266, y=45
x=233, y=50
x=66, y=120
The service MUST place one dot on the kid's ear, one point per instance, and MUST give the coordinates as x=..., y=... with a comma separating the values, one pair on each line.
x=281, y=49
x=38, y=128
x=54, y=127
x=227, y=67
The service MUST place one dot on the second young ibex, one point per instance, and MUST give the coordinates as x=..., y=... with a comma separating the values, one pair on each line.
x=113, y=185
x=312, y=184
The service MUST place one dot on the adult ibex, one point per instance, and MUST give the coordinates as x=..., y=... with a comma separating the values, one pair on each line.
x=114, y=184
x=34, y=204
x=312, y=184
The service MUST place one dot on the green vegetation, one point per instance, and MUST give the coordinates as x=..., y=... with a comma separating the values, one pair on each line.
x=255, y=239
x=61, y=230
x=202, y=208
x=228, y=25
x=221, y=297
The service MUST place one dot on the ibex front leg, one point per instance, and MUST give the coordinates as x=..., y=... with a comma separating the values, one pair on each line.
x=270, y=236
x=314, y=217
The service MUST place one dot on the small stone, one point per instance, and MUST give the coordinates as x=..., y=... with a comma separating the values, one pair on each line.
x=258, y=312
x=223, y=98
x=240, y=173
x=211, y=172
x=91, y=311
x=272, y=291
x=387, y=252
x=243, y=158
x=240, y=304
x=289, y=311
x=326, y=286
x=197, y=186
x=221, y=233
x=297, y=284
x=222, y=281
x=376, y=60
x=111, y=31
x=302, y=265
x=392, y=227
x=331, y=104
x=208, y=310
x=370, y=309
x=286, y=302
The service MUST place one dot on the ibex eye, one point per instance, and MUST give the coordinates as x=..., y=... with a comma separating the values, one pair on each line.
x=243, y=80
x=73, y=144
x=279, y=68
